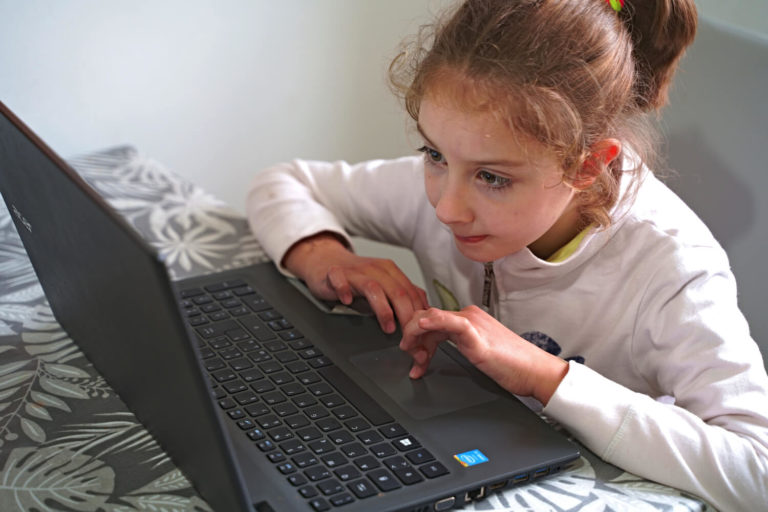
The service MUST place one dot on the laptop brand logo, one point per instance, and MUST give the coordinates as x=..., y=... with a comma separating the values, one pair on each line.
x=21, y=218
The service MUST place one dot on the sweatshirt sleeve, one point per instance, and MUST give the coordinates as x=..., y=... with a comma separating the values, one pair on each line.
x=692, y=344
x=376, y=199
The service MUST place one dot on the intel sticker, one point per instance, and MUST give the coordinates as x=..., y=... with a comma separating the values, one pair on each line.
x=471, y=458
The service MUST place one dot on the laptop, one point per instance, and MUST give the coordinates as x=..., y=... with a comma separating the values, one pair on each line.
x=262, y=399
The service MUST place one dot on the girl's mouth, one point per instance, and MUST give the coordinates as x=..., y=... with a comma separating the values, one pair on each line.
x=470, y=239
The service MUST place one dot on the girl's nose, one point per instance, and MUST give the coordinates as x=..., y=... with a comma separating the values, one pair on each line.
x=453, y=206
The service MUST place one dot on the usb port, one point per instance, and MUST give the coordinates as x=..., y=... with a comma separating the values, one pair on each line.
x=540, y=472
x=520, y=478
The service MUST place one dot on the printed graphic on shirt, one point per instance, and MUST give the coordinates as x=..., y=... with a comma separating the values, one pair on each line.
x=448, y=301
x=544, y=342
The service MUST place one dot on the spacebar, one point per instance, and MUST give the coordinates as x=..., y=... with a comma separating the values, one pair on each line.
x=354, y=393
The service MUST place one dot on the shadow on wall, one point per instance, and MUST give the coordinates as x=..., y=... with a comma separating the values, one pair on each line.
x=721, y=197
x=717, y=131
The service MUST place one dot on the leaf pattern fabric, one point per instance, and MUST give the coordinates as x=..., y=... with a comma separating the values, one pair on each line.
x=67, y=442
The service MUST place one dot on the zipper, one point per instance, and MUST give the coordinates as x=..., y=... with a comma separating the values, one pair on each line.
x=488, y=282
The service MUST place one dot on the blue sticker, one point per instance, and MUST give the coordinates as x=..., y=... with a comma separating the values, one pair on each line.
x=471, y=458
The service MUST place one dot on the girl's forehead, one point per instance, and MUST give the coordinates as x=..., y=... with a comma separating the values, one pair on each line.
x=442, y=117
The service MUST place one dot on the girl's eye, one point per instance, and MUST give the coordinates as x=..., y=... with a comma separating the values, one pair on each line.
x=433, y=155
x=493, y=180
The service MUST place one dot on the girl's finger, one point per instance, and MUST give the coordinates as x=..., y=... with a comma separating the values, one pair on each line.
x=339, y=284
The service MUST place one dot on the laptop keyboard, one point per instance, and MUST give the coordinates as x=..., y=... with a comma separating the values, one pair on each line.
x=318, y=428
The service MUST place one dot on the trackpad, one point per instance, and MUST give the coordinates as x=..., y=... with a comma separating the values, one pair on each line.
x=446, y=387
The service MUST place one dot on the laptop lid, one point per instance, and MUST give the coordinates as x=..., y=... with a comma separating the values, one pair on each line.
x=112, y=295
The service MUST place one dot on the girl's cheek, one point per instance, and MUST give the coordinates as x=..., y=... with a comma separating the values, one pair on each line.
x=432, y=188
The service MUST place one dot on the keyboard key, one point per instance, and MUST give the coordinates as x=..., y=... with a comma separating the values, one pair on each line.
x=395, y=463
x=286, y=468
x=362, y=488
x=262, y=386
x=224, y=375
x=268, y=421
x=354, y=450
x=341, y=499
x=275, y=397
x=419, y=456
x=384, y=480
x=382, y=450
x=408, y=476
x=346, y=473
x=308, y=492
x=280, y=434
x=309, y=434
x=406, y=443
x=297, y=421
x=393, y=431
x=366, y=463
x=217, y=329
x=321, y=446
x=328, y=424
x=317, y=473
x=316, y=412
x=297, y=480
x=257, y=409
x=329, y=487
x=334, y=459
x=433, y=470
x=240, y=364
x=320, y=505
x=341, y=437
x=292, y=447
x=285, y=409
x=218, y=316
x=297, y=367
x=356, y=425
x=304, y=460
x=251, y=375
x=257, y=328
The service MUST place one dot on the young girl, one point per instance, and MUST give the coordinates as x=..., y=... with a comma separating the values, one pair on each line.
x=562, y=267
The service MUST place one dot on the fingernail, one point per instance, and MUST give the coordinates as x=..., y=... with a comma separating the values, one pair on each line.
x=390, y=327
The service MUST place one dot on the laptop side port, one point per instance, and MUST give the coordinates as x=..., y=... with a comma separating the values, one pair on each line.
x=497, y=486
x=540, y=472
x=474, y=494
x=522, y=477
x=444, y=504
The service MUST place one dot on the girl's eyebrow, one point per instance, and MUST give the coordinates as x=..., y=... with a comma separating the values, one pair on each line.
x=423, y=135
x=492, y=163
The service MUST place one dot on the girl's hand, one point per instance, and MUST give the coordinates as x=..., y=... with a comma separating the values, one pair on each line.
x=515, y=364
x=333, y=272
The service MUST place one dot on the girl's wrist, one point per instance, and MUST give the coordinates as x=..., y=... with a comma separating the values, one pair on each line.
x=298, y=254
x=552, y=375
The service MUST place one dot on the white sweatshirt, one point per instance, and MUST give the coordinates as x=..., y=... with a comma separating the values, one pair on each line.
x=648, y=306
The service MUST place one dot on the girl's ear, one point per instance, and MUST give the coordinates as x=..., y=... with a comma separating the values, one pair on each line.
x=603, y=153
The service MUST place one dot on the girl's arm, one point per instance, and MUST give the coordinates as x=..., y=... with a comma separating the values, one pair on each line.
x=692, y=344
x=304, y=212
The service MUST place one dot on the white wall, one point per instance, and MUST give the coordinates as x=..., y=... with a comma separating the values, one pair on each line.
x=217, y=90
x=214, y=90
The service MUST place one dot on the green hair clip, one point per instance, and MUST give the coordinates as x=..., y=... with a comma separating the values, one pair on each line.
x=616, y=4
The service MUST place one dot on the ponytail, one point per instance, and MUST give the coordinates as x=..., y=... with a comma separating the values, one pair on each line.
x=660, y=32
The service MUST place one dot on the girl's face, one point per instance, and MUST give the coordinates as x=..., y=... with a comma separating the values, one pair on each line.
x=495, y=191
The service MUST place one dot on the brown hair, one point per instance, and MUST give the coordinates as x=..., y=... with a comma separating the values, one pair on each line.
x=566, y=73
